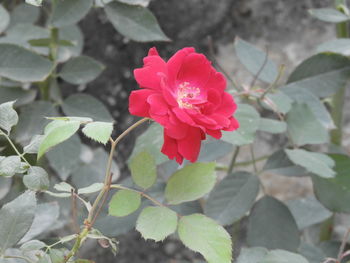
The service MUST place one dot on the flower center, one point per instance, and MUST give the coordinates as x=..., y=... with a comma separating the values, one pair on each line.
x=185, y=94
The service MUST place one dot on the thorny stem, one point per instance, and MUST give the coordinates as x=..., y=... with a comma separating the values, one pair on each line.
x=14, y=147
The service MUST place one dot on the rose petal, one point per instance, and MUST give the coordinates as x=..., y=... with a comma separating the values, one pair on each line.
x=214, y=133
x=170, y=149
x=138, y=102
x=149, y=75
x=189, y=147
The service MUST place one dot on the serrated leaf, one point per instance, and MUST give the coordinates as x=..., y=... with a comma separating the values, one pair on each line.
x=10, y=165
x=267, y=215
x=254, y=60
x=23, y=65
x=134, y=22
x=124, y=202
x=84, y=105
x=248, y=119
x=16, y=218
x=316, y=163
x=59, y=132
x=69, y=12
x=272, y=126
x=36, y=179
x=303, y=127
x=34, y=144
x=143, y=169
x=99, y=131
x=205, y=236
x=190, y=183
x=156, y=223
x=329, y=15
x=4, y=19
x=96, y=187
x=81, y=70
x=8, y=116
x=282, y=256
x=232, y=197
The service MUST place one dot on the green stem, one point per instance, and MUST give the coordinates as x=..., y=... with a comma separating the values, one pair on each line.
x=233, y=161
x=338, y=98
x=78, y=242
x=121, y=136
x=14, y=147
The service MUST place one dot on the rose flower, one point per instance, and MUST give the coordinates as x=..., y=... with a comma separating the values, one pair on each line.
x=185, y=95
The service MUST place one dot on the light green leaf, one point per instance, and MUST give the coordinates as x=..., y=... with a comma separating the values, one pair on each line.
x=303, y=127
x=278, y=101
x=32, y=245
x=340, y=45
x=135, y=22
x=16, y=218
x=205, y=236
x=68, y=12
x=65, y=157
x=322, y=74
x=232, y=198
x=254, y=59
x=124, y=202
x=308, y=211
x=4, y=19
x=10, y=165
x=84, y=105
x=329, y=15
x=248, y=119
x=156, y=223
x=8, y=116
x=81, y=70
x=99, y=131
x=34, y=2
x=272, y=126
x=20, y=64
x=316, y=163
x=190, y=183
x=267, y=215
x=282, y=256
x=61, y=131
x=63, y=187
x=143, y=169
x=36, y=179
x=251, y=255
x=96, y=187
x=34, y=144
x=143, y=3
x=24, y=14
x=151, y=141
x=46, y=42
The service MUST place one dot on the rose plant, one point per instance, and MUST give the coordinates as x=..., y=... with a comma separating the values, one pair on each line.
x=205, y=204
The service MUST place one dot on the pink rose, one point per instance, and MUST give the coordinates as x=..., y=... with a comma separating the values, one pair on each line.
x=185, y=95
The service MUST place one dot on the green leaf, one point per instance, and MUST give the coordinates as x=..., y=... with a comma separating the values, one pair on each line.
x=32, y=245
x=10, y=165
x=272, y=126
x=96, y=187
x=84, y=105
x=316, y=163
x=21, y=96
x=34, y=144
x=96, y=234
x=124, y=202
x=135, y=22
x=63, y=187
x=74, y=35
x=34, y=2
x=190, y=183
x=99, y=131
x=24, y=14
x=251, y=255
x=312, y=253
x=278, y=101
x=46, y=42
x=308, y=211
x=46, y=216
x=143, y=3
x=319, y=110
x=340, y=45
x=205, y=236
x=150, y=141
x=65, y=157
x=248, y=119
x=16, y=218
x=4, y=19
x=254, y=59
x=322, y=74
x=282, y=256
x=329, y=15
x=156, y=223
x=334, y=193
x=20, y=64
x=267, y=215
x=232, y=198
x=81, y=70
x=303, y=127
x=8, y=116
x=36, y=179
x=68, y=12
x=143, y=169
x=58, y=133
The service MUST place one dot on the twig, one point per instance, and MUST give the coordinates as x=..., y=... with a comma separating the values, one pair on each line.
x=343, y=244
x=233, y=160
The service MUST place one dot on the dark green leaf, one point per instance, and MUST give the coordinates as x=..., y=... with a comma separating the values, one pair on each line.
x=134, y=22
x=36, y=179
x=251, y=255
x=272, y=126
x=282, y=256
x=4, y=19
x=21, y=96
